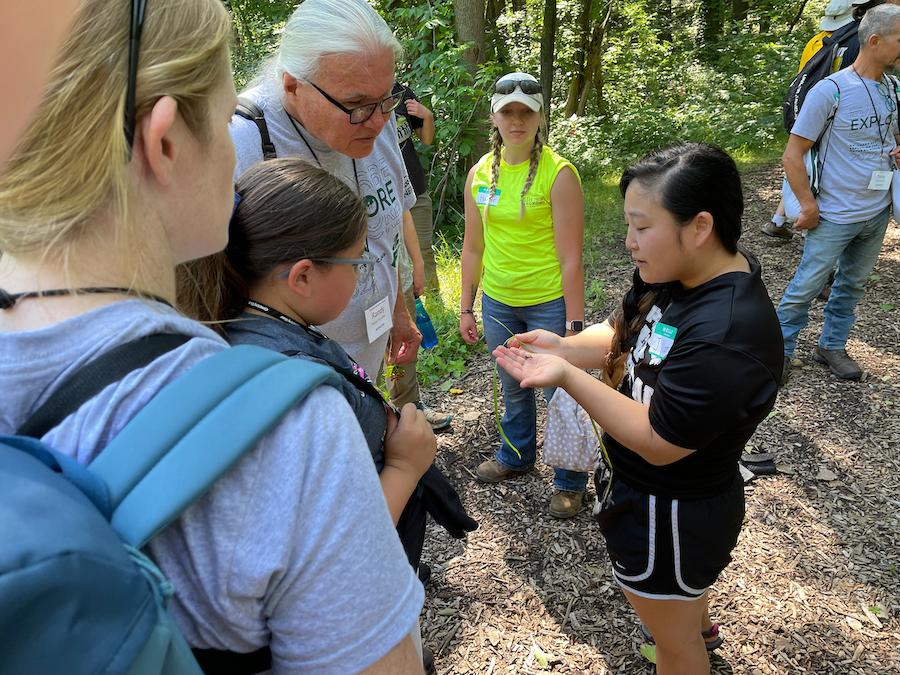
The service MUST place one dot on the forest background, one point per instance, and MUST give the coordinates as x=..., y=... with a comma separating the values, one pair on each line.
x=624, y=76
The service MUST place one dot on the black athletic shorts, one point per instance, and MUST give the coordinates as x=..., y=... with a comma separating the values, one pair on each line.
x=669, y=549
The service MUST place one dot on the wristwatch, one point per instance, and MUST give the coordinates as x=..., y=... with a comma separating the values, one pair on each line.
x=575, y=326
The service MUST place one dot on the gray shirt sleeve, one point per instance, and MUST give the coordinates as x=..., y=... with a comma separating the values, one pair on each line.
x=247, y=144
x=816, y=108
x=303, y=551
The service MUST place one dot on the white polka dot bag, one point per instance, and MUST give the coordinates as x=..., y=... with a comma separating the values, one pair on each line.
x=572, y=438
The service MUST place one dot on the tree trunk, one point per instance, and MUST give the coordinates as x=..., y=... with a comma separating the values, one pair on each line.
x=712, y=20
x=593, y=76
x=739, y=10
x=495, y=40
x=548, y=43
x=469, y=21
x=518, y=5
x=579, y=57
x=664, y=19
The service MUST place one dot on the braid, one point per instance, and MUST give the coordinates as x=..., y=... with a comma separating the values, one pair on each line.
x=628, y=320
x=533, y=162
x=496, y=143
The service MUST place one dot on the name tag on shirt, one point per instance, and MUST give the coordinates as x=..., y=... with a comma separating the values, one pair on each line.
x=378, y=319
x=662, y=340
x=881, y=180
x=481, y=197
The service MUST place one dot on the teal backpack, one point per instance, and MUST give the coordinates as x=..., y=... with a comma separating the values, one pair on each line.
x=77, y=595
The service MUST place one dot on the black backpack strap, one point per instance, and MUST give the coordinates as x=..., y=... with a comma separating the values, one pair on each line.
x=250, y=111
x=220, y=661
x=362, y=385
x=91, y=379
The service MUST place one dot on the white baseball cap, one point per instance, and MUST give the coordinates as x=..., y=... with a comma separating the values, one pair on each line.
x=509, y=89
x=838, y=14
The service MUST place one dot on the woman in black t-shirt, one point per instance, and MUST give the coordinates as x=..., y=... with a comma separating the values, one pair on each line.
x=691, y=363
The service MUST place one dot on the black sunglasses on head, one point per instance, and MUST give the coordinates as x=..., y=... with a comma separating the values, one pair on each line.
x=138, y=8
x=509, y=86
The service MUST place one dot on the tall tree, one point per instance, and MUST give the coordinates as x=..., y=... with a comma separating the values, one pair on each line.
x=594, y=71
x=739, y=10
x=712, y=21
x=469, y=20
x=548, y=45
x=579, y=58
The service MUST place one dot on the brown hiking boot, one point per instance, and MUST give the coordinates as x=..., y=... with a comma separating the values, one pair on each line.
x=839, y=362
x=565, y=504
x=782, y=232
x=492, y=471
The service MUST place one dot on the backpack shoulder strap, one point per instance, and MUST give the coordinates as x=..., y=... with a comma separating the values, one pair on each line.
x=194, y=430
x=88, y=381
x=250, y=111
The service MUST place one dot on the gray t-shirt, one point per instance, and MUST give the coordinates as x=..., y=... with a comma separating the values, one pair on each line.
x=293, y=547
x=856, y=144
x=382, y=183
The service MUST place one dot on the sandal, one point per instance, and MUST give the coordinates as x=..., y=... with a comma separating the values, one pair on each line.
x=711, y=637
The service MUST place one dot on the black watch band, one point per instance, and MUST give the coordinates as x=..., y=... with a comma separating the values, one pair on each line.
x=575, y=326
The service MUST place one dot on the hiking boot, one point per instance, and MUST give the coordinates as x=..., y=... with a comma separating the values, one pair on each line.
x=565, y=504
x=492, y=471
x=786, y=372
x=782, y=232
x=839, y=362
x=438, y=420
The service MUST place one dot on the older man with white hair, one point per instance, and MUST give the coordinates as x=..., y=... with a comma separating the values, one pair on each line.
x=327, y=97
x=851, y=116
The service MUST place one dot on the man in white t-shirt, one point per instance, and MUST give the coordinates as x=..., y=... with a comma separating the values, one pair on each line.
x=847, y=222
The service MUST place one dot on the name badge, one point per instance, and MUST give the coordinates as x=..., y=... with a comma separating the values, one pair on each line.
x=481, y=197
x=881, y=180
x=661, y=341
x=378, y=319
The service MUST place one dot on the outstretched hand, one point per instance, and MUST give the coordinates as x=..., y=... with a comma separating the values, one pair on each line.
x=538, y=341
x=533, y=369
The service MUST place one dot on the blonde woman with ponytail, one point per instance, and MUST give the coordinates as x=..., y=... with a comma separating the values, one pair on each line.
x=523, y=243
x=124, y=172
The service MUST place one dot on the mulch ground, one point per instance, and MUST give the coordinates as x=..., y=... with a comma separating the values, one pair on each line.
x=813, y=587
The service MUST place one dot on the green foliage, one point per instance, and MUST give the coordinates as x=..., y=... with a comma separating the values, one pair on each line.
x=434, y=67
x=257, y=26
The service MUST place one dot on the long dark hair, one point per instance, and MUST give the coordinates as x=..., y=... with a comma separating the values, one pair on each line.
x=688, y=178
x=289, y=210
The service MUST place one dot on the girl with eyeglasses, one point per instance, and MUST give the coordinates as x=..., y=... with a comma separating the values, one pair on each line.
x=690, y=364
x=268, y=565
x=524, y=213
x=296, y=247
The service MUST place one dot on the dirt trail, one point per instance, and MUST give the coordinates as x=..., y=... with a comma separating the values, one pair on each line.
x=814, y=583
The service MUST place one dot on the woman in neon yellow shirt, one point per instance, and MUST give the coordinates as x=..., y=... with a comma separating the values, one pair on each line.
x=523, y=244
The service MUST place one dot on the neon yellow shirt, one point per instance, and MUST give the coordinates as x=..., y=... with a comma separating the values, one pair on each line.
x=520, y=266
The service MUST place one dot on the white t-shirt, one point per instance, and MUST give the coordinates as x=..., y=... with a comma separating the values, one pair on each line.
x=857, y=143
x=292, y=548
x=380, y=179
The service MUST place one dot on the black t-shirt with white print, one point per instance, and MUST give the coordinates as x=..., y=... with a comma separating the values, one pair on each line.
x=708, y=365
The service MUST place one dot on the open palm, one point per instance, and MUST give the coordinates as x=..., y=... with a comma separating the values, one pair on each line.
x=532, y=370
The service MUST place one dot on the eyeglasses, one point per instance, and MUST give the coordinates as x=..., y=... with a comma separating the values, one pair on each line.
x=138, y=8
x=362, y=113
x=360, y=265
x=509, y=86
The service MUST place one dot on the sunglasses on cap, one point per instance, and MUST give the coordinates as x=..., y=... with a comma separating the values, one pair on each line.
x=509, y=86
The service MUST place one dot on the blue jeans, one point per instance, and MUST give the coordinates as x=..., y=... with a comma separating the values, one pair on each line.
x=520, y=413
x=854, y=247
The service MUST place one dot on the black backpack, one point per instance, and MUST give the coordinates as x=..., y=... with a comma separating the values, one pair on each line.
x=817, y=69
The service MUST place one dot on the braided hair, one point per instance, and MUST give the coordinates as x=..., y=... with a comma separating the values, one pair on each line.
x=534, y=160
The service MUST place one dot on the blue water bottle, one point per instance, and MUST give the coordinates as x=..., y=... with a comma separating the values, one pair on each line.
x=426, y=328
